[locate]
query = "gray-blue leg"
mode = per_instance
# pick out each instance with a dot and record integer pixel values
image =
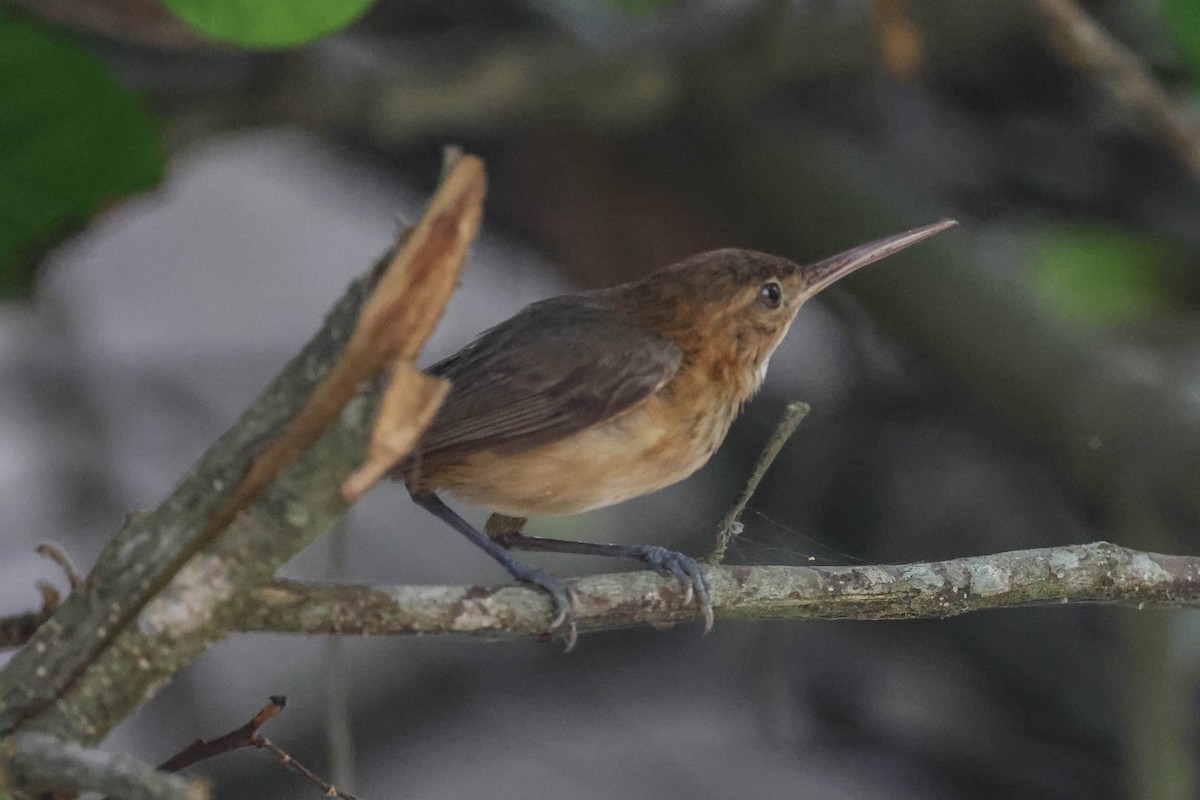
(689, 572)
(551, 584)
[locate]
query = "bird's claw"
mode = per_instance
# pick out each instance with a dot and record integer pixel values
(563, 598)
(688, 571)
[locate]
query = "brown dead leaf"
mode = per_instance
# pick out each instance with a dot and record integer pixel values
(408, 300)
(405, 411)
(403, 310)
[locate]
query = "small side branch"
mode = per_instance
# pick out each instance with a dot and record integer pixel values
(1094, 573)
(248, 735)
(731, 525)
(245, 736)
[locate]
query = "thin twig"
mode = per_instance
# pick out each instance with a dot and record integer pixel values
(248, 736)
(731, 526)
(327, 789)
(339, 737)
(1087, 45)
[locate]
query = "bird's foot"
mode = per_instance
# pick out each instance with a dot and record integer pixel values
(560, 593)
(561, 596)
(687, 569)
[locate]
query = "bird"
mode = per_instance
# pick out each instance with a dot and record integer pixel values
(589, 399)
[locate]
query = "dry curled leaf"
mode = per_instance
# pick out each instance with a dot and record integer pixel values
(402, 311)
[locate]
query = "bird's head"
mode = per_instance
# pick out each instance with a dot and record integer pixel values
(740, 303)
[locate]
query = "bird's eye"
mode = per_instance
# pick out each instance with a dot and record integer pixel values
(770, 294)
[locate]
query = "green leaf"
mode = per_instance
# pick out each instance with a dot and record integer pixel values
(268, 23)
(1097, 275)
(71, 141)
(1182, 18)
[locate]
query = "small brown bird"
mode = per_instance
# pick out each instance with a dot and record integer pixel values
(589, 399)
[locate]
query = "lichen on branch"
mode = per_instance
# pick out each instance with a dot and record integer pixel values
(1095, 573)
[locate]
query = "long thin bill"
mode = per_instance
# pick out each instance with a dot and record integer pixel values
(819, 275)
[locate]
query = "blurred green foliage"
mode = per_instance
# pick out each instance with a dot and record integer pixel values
(71, 141)
(1101, 275)
(268, 23)
(1182, 18)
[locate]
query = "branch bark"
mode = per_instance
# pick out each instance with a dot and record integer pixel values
(1094, 573)
(35, 763)
(173, 582)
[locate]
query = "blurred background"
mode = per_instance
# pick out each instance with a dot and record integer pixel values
(178, 209)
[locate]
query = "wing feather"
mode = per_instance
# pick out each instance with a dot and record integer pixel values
(557, 367)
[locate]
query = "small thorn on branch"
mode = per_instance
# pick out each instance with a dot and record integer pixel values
(17, 629)
(59, 556)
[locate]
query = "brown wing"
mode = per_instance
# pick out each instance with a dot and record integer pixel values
(555, 368)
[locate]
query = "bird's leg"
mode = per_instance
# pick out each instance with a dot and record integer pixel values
(506, 531)
(563, 601)
(499, 526)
